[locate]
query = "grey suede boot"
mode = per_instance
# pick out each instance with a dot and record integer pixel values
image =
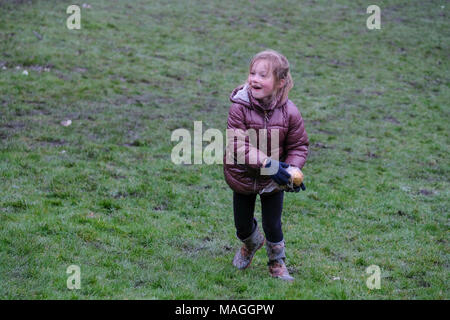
(277, 267)
(245, 254)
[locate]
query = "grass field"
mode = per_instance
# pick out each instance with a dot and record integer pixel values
(104, 194)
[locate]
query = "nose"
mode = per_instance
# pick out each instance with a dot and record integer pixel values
(254, 79)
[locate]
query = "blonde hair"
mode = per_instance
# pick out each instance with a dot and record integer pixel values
(279, 66)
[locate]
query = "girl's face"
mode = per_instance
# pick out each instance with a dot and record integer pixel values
(261, 80)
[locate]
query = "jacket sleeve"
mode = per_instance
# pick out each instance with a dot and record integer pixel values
(241, 142)
(297, 142)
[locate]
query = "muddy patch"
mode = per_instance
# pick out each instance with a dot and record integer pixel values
(121, 194)
(391, 120)
(79, 70)
(51, 142)
(39, 68)
(15, 125)
(372, 155)
(320, 145)
(10, 128)
(426, 192)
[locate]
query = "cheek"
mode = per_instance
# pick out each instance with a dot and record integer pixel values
(269, 85)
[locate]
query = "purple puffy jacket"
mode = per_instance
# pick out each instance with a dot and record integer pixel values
(247, 113)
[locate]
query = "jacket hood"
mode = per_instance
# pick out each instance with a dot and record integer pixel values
(243, 95)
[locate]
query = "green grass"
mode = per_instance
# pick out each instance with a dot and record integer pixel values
(103, 193)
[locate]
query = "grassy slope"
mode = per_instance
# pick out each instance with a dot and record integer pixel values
(103, 193)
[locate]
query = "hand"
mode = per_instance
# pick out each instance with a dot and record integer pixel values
(297, 188)
(281, 177)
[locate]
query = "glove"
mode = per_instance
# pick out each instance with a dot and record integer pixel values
(281, 177)
(297, 188)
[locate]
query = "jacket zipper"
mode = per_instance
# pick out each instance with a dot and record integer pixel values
(265, 119)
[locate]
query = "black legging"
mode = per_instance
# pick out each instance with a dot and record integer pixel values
(271, 205)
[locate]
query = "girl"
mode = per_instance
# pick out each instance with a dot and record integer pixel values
(262, 104)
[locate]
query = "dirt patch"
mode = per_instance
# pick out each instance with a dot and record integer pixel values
(319, 145)
(338, 257)
(120, 195)
(372, 155)
(161, 207)
(79, 70)
(38, 68)
(11, 128)
(138, 143)
(401, 213)
(62, 76)
(39, 109)
(14, 125)
(348, 149)
(118, 176)
(405, 214)
(426, 192)
(391, 120)
(53, 142)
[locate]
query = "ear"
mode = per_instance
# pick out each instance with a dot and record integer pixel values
(281, 83)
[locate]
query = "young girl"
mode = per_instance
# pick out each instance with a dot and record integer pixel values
(262, 104)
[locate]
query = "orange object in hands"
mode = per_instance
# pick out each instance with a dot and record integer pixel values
(295, 182)
(296, 175)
